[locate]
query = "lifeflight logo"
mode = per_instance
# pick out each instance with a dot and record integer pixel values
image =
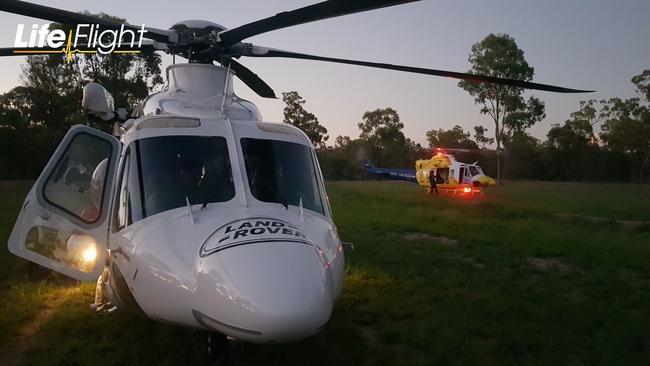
(87, 38)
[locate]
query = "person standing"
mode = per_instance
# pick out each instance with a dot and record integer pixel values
(433, 182)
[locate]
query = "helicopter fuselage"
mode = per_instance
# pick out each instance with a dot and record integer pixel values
(250, 269)
(203, 215)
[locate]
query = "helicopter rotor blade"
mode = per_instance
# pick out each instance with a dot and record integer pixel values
(319, 11)
(453, 149)
(71, 18)
(269, 52)
(251, 80)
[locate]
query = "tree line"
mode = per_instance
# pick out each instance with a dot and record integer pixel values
(572, 151)
(35, 115)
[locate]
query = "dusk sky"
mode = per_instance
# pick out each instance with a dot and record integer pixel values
(587, 44)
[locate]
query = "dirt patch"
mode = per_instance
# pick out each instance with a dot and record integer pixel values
(471, 261)
(466, 260)
(440, 240)
(548, 264)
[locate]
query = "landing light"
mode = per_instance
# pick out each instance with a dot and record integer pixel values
(89, 254)
(467, 189)
(82, 247)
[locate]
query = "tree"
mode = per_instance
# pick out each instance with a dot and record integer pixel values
(480, 138)
(342, 141)
(577, 133)
(344, 160)
(295, 114)
(52, 88)
(35, 115)
(454, 138)
(499, 56)
(415, 151)
(522, 115)
(642, 84)
(570, 150)
(573, 135)
(523, 159)
(382, 131)
(626, 127)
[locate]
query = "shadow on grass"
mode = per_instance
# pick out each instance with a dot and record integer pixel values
(74, 334)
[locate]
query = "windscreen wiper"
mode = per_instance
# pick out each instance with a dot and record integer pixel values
(278, 196)
(208, 196)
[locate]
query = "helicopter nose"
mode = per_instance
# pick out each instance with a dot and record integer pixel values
(486, 181)
(264, 292)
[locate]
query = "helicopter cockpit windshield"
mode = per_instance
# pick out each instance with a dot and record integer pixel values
(282, 172)
(475, 170)
(162, 173)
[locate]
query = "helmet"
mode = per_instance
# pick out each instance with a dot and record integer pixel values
(97, 183)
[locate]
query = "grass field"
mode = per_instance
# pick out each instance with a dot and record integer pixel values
(534, 273)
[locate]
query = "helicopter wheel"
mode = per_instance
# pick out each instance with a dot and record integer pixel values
(217, 349)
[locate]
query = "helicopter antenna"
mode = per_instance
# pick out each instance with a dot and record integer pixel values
(225, 90)
(189, 211)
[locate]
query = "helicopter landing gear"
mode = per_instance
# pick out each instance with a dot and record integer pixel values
(217, 349)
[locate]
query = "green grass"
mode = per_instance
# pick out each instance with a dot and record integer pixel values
(501, 280)
(614, 201)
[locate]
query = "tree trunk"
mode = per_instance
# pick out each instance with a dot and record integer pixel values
(499, 168)
(497, 137)
(645, 162)
(504, 166)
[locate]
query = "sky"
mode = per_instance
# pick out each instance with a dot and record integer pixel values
(584, 44)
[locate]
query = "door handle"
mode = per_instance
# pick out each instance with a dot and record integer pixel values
(119, 250)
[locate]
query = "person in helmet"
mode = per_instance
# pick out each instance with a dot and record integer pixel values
(91, 211)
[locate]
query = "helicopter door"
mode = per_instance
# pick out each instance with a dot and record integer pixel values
(62, 224)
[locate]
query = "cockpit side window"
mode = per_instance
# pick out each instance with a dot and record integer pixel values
(122, 209)
(162, 173)
(282, 172)
(321, 185)
(76, 185)
(129, 198)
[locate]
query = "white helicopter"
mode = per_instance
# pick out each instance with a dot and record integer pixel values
(195, 211)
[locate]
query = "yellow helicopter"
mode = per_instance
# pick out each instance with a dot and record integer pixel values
(442, 174)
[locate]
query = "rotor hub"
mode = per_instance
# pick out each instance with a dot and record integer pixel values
(197, 28)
